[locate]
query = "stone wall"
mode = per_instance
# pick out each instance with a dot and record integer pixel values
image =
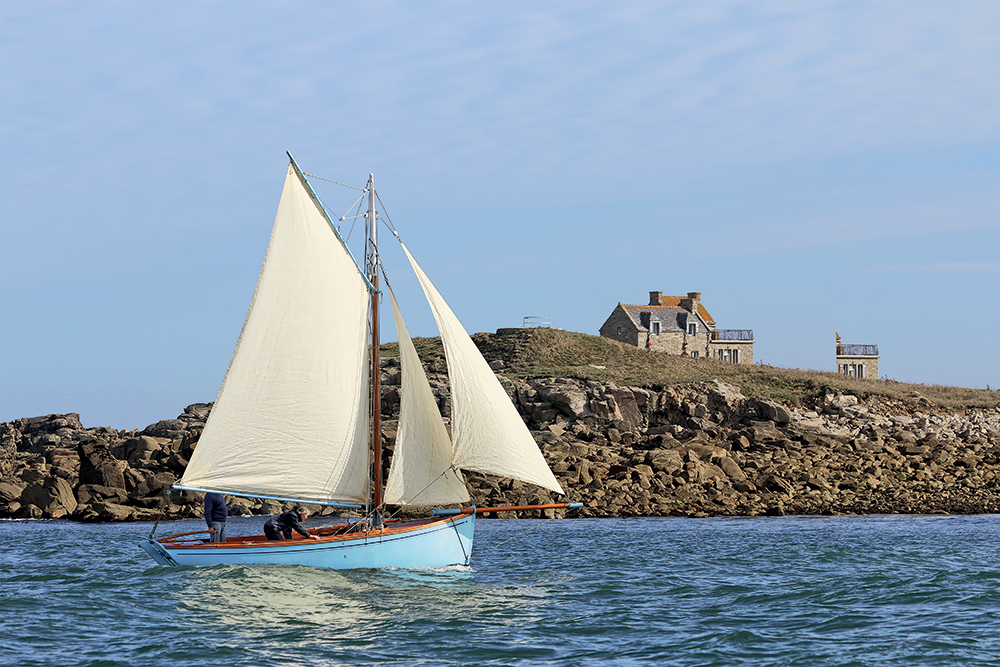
(670, 342)
(870, 364)
(630, 333)
(743, 347)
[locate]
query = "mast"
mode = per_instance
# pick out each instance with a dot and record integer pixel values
(372, 264)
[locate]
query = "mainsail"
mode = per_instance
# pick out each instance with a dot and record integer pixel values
(488, 433)
(291, 418)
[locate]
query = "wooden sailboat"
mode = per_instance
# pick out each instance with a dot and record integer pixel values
(298, 417)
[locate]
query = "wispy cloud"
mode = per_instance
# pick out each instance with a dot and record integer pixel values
(542, 99)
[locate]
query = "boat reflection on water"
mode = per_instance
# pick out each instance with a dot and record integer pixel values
(264, 600)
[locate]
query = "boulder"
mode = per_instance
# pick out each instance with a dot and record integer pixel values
(49, 496)
(775, 484)
(732, 469)
(665, 460)
(628, 408)
(700, 471)
(146, 484)
(87, 493)
(837, 404)
(177, 463)
(63, 457)
(567, 397)
(726, 395)
(692, 450)
(36, 472)
(772, 411)
(99, 466)
(10, 491)
(112, 511)
(29, 512)
(605, 409)
(197, 411)
(9, 437)
(137, 450)
(171, 429)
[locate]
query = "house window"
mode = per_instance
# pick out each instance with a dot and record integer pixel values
(726, 355)
(619, 331)
(736, 356)
(861, 371)
(692, 329)
(654, 328)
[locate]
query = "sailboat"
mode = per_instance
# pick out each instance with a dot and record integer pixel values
(297, 418)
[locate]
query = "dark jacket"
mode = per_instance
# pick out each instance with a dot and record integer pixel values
(215, 508)
(286, 522)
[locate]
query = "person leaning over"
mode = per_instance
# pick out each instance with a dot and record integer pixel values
(215, 516)
(280, 527)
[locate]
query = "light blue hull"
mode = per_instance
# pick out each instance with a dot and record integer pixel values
(408, 544)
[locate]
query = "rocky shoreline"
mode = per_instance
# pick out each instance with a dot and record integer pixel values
(660, 450)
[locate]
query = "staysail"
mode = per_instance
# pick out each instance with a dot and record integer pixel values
(422, 472)
(291, 418)
(488, 433)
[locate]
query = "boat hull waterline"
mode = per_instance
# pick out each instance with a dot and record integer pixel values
(419, 543)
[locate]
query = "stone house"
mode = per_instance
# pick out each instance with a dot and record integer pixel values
(678, 325)
(859, 361)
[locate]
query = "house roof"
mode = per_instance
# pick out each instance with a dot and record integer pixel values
(672, 302)
(671, 318)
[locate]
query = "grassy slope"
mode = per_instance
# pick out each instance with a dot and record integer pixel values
(556, 353)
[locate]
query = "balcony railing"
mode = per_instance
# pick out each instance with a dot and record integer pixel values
(732, 334)
(857, 350)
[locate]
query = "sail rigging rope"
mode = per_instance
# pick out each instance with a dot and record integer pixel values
(163, 503)
(386, 219)
(389, 224)
(354, 218)
(465, 554)
(334, 182)
(417, 495)
(354, 221)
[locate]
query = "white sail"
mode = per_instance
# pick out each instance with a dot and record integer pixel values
(488, 433)
(291, 418)
(422, 472)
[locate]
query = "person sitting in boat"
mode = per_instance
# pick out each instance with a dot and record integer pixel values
(280, 527)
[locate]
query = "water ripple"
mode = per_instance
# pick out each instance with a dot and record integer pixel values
(782, 591)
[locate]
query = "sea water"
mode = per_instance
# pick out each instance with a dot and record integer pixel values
(889, 590)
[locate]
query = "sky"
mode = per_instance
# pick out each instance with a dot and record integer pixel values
(811, 168)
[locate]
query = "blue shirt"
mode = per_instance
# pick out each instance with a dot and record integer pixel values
(215, 508)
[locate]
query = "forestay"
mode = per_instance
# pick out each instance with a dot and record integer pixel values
(422, 471)
(291, 418)
(488, 433)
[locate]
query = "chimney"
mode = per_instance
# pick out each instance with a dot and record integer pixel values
(692, 302)
(655, 298)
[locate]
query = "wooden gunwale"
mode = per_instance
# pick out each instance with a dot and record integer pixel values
(261, 541)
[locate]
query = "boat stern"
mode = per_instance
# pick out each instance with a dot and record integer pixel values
(157, 552)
